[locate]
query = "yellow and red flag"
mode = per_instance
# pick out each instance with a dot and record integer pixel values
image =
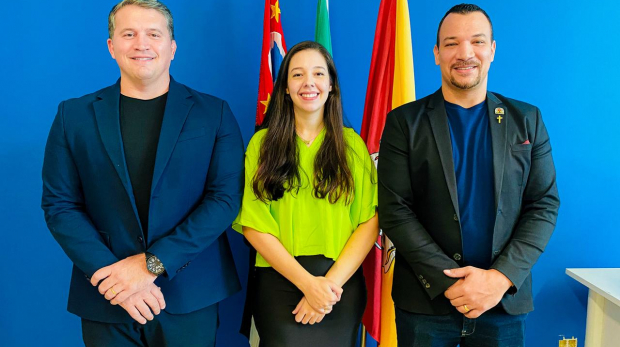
(390, 84)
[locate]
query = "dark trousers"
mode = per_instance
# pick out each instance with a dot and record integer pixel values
(194, 329)
(494, 328)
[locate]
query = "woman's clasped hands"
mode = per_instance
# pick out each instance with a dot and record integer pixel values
(320, 295)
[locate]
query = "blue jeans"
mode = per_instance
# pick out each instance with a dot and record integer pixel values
(494, 328)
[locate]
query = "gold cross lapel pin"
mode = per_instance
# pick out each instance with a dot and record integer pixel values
(499, 112)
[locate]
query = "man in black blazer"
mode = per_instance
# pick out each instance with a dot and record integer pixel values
(468, 196)
(140, 181)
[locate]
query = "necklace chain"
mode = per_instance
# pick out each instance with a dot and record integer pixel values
(308, 142)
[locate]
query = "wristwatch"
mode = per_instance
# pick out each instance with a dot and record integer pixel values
(154, 265)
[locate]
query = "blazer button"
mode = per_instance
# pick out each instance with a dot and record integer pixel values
(456, 218)
(456, 256)
(427, 285)
(140, 238)
(421, 277)
(495, 252)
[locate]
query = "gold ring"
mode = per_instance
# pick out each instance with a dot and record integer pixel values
(113, 292)
(466, 308)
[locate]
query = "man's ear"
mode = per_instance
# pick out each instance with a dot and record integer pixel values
(111, 48)
(174, 49)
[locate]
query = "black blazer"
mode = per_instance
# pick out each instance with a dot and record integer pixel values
(418, 205)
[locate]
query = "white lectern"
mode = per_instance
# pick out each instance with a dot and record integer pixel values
(603, 320)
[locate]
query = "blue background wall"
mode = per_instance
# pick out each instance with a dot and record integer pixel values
(559, 55)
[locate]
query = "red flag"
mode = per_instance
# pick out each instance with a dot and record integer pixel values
(381, 77)
(274, 49)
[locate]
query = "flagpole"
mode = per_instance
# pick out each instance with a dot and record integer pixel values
(363, 339)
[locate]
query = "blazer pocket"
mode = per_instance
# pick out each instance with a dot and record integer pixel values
(521, 147)
(191, 134)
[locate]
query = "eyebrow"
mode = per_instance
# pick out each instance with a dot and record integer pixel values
(315, 67)
(132, 29)
(454, 37)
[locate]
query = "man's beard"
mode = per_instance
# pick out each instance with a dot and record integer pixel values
(466, 85)
(470, 85)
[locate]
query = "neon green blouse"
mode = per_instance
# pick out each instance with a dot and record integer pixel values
(304, 224)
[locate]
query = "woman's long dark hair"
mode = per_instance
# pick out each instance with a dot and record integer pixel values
(278, 163)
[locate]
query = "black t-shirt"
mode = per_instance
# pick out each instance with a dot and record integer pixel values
(140, 127)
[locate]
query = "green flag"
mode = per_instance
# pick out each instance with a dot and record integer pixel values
(322, 34)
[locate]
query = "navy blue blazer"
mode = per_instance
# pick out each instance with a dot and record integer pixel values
(418, 204)
(196, 193)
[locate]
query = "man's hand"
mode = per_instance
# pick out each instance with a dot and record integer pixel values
(305, 314)
(123, 278)
(143, 305)
(321, 293)
(477, 290)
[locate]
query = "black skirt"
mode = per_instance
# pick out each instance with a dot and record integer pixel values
(276, 298)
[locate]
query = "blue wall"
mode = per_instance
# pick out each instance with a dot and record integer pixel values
(559, 57)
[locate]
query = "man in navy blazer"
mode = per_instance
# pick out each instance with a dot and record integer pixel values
(140, 181)
(468, 196)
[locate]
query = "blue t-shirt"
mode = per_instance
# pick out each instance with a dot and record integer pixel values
(473, 165)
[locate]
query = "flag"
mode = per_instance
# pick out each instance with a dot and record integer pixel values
(272, 53)
(390, 84)
(322, 33)
(274, 49)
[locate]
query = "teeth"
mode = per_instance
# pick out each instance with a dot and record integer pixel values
(309, 95)
(465, 68)
(142, 58)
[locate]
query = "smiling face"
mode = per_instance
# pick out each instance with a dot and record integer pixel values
(308, 82)
(465, 51)
(142, 45)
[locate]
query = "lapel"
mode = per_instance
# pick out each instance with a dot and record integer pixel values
(441, 131)
(498, 140)
(439, 124)
(177, 109)
(108, 122)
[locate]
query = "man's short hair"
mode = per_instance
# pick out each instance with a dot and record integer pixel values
(148, 4)
(464, 9)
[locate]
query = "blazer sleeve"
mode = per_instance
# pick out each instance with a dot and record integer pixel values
(63, 205)
(218, 208)
(396, 217)
(539, 212)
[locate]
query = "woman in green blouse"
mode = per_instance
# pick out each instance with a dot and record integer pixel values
(309, 209)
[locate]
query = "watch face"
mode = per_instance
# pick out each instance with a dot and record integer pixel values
(154, 265)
